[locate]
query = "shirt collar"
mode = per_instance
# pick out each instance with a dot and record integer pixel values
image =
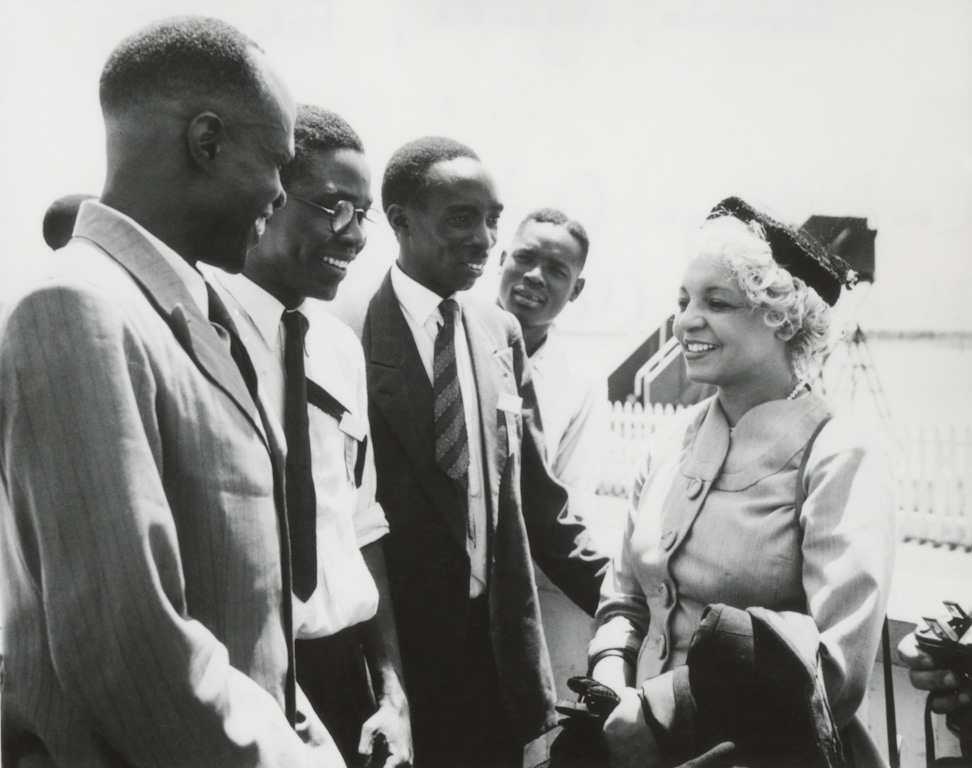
(189, 275)
(264, 309)
(418, 301)
(541, 351)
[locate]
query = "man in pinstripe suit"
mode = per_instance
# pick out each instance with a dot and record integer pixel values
(145, 586)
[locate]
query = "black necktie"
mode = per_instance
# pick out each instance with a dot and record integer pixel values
(451, 440)
(301, 499)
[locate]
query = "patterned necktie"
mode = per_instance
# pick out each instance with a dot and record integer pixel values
(451, 440)
(301, 499)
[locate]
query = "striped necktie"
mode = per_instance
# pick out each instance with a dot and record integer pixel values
(451, 440)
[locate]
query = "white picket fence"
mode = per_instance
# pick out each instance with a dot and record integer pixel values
(934, 468)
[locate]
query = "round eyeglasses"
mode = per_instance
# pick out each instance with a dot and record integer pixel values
(341, 215)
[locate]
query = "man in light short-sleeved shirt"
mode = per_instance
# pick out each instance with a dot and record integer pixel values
(541, 274)
(345, 628)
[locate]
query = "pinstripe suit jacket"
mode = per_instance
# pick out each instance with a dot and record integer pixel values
(142, 567)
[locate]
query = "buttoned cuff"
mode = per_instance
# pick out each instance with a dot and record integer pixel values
(618, 636)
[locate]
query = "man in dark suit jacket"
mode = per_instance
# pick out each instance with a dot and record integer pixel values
(467, 501)
(144, 583)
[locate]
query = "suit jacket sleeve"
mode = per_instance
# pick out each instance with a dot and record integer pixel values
(83, 456)
(623, 613)
(848, 554)
(558, 541)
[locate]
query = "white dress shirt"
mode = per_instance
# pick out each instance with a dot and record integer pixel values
(421, 309)
(573, 413)
(348, 517)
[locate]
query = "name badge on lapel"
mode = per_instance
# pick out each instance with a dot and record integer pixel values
(352, 426)
(511, 406)
(510, 403)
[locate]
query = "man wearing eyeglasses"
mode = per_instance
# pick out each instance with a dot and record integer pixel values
(342, 611)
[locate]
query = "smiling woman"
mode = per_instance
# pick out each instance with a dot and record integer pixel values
(744, 323)
(748, 598)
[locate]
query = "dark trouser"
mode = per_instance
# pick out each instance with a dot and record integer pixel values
(468, 728)
(332, 673)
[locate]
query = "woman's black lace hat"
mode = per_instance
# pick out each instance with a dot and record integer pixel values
(798, 252)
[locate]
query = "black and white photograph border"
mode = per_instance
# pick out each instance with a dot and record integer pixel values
(635, 117)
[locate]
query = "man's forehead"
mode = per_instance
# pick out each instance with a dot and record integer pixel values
(336, 171)
(274, 81)
(456, 202)
(276, 104)
(455, 168)
(462, 181)
(548, 239)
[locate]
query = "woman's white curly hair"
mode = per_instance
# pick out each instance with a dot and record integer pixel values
(785, 302)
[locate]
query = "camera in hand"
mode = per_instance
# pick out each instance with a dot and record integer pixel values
(948, 639)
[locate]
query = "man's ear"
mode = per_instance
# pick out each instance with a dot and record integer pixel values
(206, 137)
(786, 332)
(398, 219)
(578, 287)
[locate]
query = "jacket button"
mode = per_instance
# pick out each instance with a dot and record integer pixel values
(695, 488)
(668, 540)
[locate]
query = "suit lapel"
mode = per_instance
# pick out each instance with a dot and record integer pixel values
(400, 390)
(166, 291)
(484, 351)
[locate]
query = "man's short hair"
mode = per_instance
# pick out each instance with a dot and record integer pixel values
(561, 219)
(406, 176)
(317, 130)
(179, 57)
(59, 220)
